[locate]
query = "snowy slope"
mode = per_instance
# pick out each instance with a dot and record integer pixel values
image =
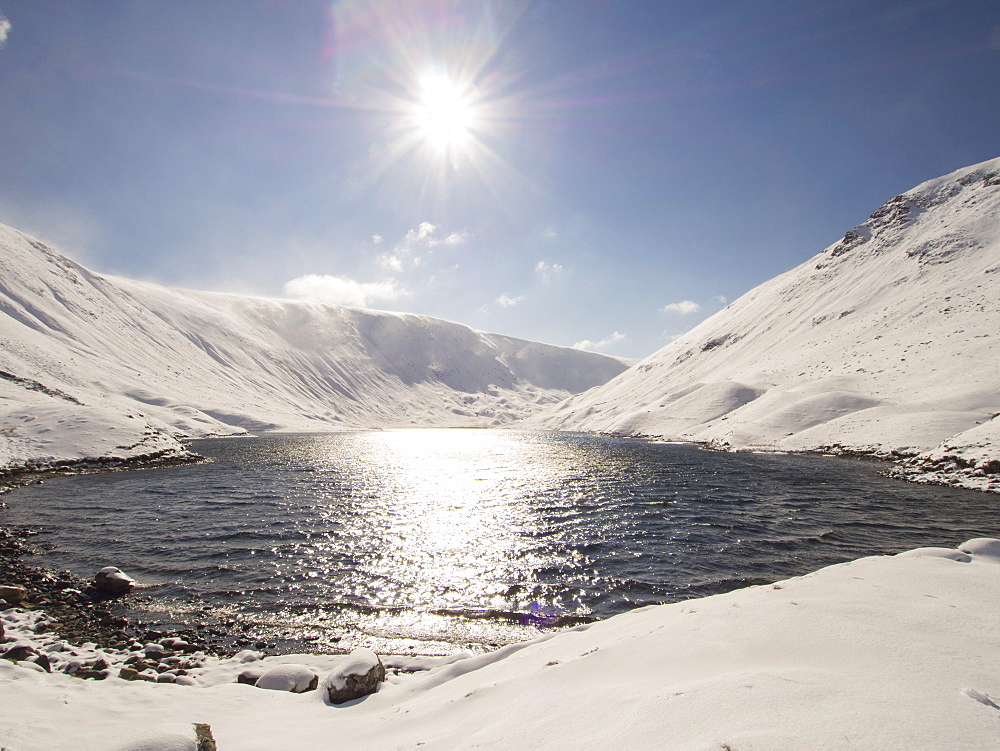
(93, 365)
(888, 341)
(885, 652)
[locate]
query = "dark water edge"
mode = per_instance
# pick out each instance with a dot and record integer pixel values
(717, 560)
(80, 615)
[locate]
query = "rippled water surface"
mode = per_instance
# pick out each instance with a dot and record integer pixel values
(435, 540)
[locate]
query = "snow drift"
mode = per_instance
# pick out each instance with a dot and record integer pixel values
(887, 342)
(884, 652)
(94, 366)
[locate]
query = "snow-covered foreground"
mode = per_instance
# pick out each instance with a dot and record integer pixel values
(882, 652)
(93, 366)
(887, 342)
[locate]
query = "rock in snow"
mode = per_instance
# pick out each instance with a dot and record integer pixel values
(18, 652)
(359, 675)
(250, 676)
(886, 342)
(886, 652)
(295, 678)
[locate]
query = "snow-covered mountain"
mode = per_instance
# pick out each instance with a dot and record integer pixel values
(98, 366)
(887, 342)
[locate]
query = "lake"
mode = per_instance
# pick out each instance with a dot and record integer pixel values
(436, 541)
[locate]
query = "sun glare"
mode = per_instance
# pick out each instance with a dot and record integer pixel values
(444, 113)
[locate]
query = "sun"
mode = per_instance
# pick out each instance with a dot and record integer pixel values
(444, 113)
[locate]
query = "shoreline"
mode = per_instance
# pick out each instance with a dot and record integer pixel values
(18, 476)
(73, 607)
(901, 465)
(783, 664)
(905, 466)
(77, 612)
(81, 615)
(780, 666)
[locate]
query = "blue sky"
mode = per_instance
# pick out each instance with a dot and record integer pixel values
(599, 173)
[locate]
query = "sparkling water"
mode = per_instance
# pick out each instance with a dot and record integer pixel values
(434, 541)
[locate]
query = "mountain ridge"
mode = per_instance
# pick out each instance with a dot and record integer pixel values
(102, 366)
(884, 343)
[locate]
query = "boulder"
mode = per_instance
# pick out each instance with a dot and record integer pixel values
(251, 675)
(19, 652)
(295, 678)
(97, 675)
(113, 582)
(359, 675)
(12, 594)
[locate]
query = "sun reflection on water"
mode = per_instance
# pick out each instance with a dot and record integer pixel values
(452, 514)
(437, 541)
(433, 534)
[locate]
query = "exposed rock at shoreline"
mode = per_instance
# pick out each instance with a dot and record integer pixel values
(11, 595)
(113, 582)
(17, 475)
(72, 606)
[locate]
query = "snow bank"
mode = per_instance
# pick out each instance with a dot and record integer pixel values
(886, 342)
(41, 432)
(882, 652)
(969, 459)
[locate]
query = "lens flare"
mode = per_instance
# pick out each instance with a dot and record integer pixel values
(444, 113)
(438, 96)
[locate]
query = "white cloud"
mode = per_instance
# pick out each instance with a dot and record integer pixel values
(423, 231)
(721, 299)
(506, 301)
(684, 307)
(548, 270)
(376, 239)
(586, 344)
(4, 29)
(340, 290)
(424, 238)
(390, 262)
(456, 238)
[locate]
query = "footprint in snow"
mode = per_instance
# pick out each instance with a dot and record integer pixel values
(981, 698)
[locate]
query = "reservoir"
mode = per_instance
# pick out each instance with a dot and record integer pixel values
(437, 541)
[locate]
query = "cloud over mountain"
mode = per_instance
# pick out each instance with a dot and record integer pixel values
(339, 290)
(100, 366)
